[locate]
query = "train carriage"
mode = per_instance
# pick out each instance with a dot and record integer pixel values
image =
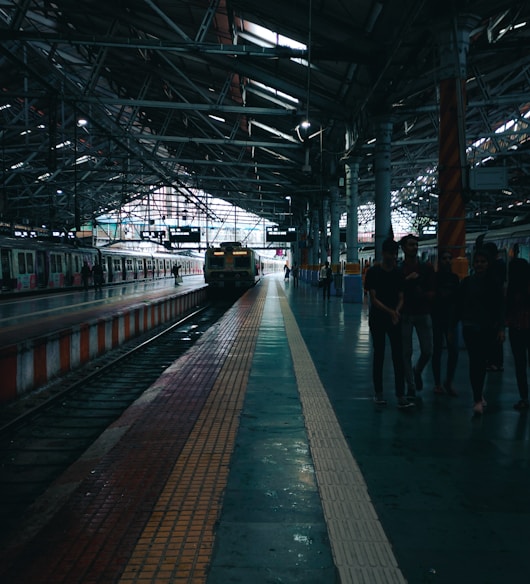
(29, 265)
(231, 265)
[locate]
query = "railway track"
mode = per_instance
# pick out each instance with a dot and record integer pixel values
(37, 446)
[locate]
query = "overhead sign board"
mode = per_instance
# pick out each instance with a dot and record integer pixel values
(185, 235)
(153, 234)
(488, 179)
(277, 234)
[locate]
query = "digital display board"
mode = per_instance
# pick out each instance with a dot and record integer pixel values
(185, 235)
(153, 234)
(281, 234)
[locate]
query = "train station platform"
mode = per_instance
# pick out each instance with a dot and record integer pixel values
(260, 457)
(44, 336)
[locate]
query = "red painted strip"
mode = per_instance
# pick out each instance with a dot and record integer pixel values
(8, 366)
(84, 343)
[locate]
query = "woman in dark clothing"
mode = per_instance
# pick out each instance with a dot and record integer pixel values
(445, 288)
(480, 307)
(518, 321)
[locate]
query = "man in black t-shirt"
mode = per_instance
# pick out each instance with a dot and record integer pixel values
(384, 283)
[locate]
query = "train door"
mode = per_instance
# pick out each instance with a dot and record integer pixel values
(42, 269)
(109, 278)
(68, 271)
(7, 283)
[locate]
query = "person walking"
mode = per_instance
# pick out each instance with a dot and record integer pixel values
(445, 288)
(518, 321)
(497, 270)
(480, 307)
(295, 273)
(416, 313)
(326, 275)
(384, 284)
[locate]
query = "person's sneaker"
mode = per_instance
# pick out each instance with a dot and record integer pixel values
(411, 396)
(418, 381)
(478, 409)
(439, 390)
(449, 388)
(522, 405)
(379, 400)
(404, 403)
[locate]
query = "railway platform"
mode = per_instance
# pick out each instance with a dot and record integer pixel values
(44, 336)
(260, 457)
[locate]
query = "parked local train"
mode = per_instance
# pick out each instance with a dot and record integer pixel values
(231, 265)
(32, 264)
(511, 242)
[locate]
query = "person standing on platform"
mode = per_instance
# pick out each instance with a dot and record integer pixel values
(416, 312)
(480, 308)
(86, 273)
(326, 275)
(445, 288)
(518, 321)
(97, 272)
(497, 269)
(286, 272)
(175, 271)
(296, 273)
(384, 283)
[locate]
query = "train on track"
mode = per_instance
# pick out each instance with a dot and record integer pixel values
(511, 242)
(30, 265)
(234, 266)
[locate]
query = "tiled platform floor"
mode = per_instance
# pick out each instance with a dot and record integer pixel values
(259, 457)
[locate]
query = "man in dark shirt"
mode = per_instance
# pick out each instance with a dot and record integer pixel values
(384, 284)
(416, 313)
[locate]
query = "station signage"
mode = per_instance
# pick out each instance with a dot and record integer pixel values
(185, 235)
(277, 234)
(153, 234)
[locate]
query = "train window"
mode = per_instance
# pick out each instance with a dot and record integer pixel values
(21, 262)
(56, 264)
(242, 261)
(217, 261)
(29, 263)
(117, 264)
(128, 265)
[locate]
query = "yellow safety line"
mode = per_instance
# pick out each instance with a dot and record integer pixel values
(177, 542)
(361, 550)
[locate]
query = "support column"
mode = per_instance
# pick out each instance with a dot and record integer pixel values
(452, 160)
(324, 230)
(383, 169)
(352, 281)
(315, 230)
(352, 202)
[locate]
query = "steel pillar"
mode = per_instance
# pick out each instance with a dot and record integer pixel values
(351, 169)
(383, 169)
(452, 161)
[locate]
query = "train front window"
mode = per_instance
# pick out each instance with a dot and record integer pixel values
(217, 261)
(242, 262)
(29, 263)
